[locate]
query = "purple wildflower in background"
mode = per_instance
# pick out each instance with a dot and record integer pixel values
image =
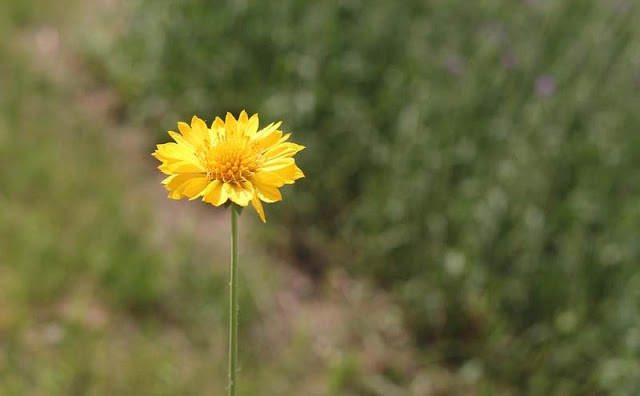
(545, 86)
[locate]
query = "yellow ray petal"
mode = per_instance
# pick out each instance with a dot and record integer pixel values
(252, 126)
(168, 179)
(217, 123)
(267, 137)
(268, 129)
(165, 169)
(185, 130)
(189, 134)
(199, 130)
(298, 174)
(269, 178)
(215, 194)
(243, 120)
(289, 174)
(267, 191)
(195, 187)
(177, 182)
(271, 165)
(279, 177)
(284, 138)
(181, 140)
(174, 151)
(217, 130)
(175, 195)
(257, 205)
(230, 125)
(240, 193)
(284, 150)
(186, 167)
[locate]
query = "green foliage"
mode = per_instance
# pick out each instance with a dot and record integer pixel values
(478, 159)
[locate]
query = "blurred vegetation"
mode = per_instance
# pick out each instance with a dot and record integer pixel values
(480, 160)
(96, 297)
(477, 160)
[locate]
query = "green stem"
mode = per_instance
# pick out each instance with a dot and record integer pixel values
(233, 304)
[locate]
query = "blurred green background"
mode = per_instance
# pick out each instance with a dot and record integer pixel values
(469, 224)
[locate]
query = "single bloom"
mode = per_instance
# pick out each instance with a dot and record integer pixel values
(231, 161)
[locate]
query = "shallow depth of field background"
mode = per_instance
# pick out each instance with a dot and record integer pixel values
(469, 224)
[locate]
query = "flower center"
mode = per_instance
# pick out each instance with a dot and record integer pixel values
(231, 161)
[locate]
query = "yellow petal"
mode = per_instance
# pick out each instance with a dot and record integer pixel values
(252, 126)
(269, 178)
(269, 194)
(175, 181)
(230, 125)
(178, 158)
(271, 165)
(187, 167)
(279, 177)
(168, 179)
(267, 137)
(181, 140)
(284, 138)
(257, 205)
(174, 152)
(175, 195)
(189, 135)
(268, 129)
(185, 185)
(165, 169)
(215, 194)
(284, 150)
(289, 174)
(217, 129)
(240, 193)
(298, 174)
(217, 123)
(243, 120)
(267, 190)
(195, 187)
(185, 130)
(199, 130)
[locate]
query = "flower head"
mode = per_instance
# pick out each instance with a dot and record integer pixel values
(231, 161)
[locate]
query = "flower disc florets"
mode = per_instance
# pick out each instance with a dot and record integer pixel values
(232, 161)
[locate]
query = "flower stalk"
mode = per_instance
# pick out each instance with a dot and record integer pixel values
(233, 304)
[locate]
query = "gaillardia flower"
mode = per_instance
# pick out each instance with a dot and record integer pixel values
(231, 161)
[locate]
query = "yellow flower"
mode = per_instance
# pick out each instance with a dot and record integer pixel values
(232, 160)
